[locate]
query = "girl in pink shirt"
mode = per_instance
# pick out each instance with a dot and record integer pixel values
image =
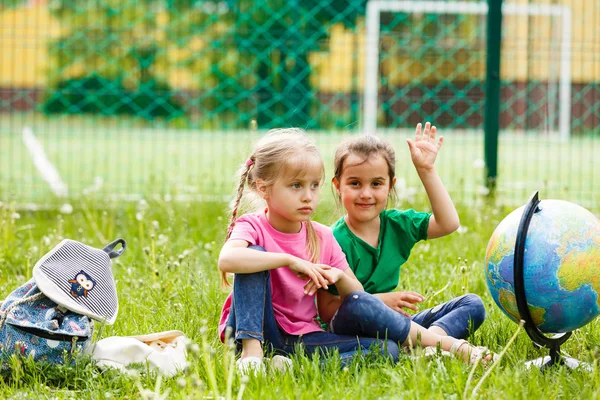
(273, 291)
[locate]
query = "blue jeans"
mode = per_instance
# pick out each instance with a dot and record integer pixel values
(251, 317)
(458, 317)
(367, 315)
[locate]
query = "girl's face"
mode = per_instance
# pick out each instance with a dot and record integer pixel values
(364, 187)
(294, 195)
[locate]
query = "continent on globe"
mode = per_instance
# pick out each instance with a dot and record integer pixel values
(561, 266)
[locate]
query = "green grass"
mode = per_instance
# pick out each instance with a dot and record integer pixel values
(112, 157)
(168, 279)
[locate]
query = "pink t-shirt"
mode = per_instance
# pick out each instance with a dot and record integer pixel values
(294, 311)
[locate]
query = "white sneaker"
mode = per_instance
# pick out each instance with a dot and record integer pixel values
(281, 364)
(250, 366)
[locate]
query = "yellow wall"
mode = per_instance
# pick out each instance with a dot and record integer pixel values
(522, 59)
(25, 32)
(24, 36)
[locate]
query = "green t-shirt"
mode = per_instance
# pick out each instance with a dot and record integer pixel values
(378, 269)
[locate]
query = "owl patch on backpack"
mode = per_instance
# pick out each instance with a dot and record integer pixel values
(82, 284)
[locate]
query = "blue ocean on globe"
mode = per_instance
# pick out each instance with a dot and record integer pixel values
(561, 266)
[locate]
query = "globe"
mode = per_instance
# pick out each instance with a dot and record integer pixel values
(561, 266)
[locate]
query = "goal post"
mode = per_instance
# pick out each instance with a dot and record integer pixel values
(373, 18)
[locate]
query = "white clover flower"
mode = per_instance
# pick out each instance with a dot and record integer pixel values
(478, 163)
(132, 373)
(462, 229)
(15, 215)
(162, 239)
(142, 205)
(139, 216)
(66, 208)
(156, 225)
(198, 383)
(482, 190)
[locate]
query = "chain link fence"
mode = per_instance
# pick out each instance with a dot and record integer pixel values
(153, 96)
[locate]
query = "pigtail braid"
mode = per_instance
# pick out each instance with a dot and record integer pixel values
(235, 205)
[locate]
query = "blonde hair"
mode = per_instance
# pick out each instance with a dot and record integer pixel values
(274, 155)
(365, 146)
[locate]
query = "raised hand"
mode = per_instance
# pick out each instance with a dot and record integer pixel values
(398, 301)
(424, 149)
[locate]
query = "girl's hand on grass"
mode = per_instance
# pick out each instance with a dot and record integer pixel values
(424, 149)
(398, 301)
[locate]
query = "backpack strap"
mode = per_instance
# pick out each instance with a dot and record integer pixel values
(4, 313)
(115, 253)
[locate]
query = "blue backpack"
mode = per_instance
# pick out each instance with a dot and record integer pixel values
(51, 317)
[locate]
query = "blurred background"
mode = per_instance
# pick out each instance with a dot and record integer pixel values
(126, 100)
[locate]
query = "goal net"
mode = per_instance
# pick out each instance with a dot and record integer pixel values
(426, 60)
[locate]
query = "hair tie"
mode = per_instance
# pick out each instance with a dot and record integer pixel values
(249, 162)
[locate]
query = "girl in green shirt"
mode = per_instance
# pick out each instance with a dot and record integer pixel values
(378, 241)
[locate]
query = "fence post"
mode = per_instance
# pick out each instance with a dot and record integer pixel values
(492, 92)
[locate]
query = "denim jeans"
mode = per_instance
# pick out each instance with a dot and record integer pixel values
(457, 317)
(252, 317)
(367, 315)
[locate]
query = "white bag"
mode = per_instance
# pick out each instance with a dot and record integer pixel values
(163, 351)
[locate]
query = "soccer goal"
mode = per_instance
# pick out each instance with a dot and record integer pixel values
(552, 102)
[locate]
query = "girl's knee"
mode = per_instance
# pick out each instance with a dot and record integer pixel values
(260, 275)
(358, 303)
(255, 247)
(364, 299)
(252, 277)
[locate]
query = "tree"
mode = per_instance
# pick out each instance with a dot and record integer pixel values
(276, 37)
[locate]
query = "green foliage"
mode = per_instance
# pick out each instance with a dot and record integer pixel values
(270, 40)
(11, 3)
(98, 95)
(276, 37)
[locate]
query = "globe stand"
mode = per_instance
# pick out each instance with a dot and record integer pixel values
(538, 338)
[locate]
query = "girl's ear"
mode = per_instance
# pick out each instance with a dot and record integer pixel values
(336, 184)
(393, 183)
(262, 189)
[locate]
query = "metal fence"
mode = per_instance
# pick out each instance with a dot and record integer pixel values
(151, 96)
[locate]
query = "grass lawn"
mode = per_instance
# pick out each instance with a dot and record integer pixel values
(167, 279)
(117, 158)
